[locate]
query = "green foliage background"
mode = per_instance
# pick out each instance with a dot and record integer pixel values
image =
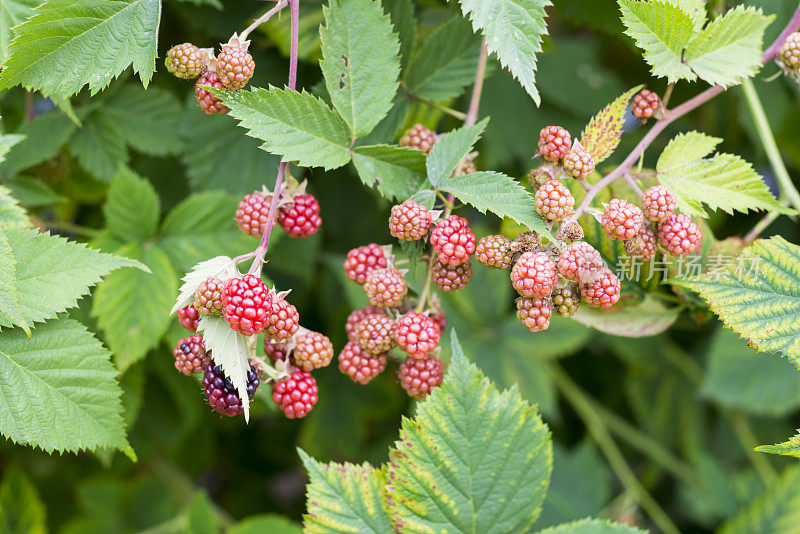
(699, 396)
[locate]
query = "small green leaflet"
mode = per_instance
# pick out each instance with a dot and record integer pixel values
(397, 172)
(592, 526)
(132, 209)
(297, 126)
(758, 297)
(21, 509)
(791, 447)
(11, 213)
(65, 373)
(451, 468)
(604, 131)
(448, 151)
(344, 498)
(513, 30)
(52, 51)
(723, 181)
(776, 511)
(360, 62)
(231, 350)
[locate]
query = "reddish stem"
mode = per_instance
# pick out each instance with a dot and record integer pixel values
(263, 18)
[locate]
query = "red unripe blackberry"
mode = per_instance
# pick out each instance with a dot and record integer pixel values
(189, 318)
(275, 350)
(494, 251)
(565, 301)
(418, 137)
(553, 201)
(789, 52)
(554, 143)
(645, 104)
(312, 351)
(679, 235)
(534, 313)
(295, 395)
(534, 275)
(208, 297)
(621, 219)
(283, 321)
(185, 61)
(361, 261)
(453, 241)
(417, 334)
(449, 277)
(190, 355)
(220, 392)
(578, 163)
(603, 291)
(658, 203)
(246, 304)
(360, 365)
(235, 66)
(648, 238)
(440, 319)
(253, 213)
(301, 217)
(210, 103)
(419, 376)
(355, 317)
(375, 333)
(409, 221)
(385, 287)
(578, 261)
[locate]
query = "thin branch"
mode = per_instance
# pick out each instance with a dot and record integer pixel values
(762, 225)
(263, 18)
(477, 90)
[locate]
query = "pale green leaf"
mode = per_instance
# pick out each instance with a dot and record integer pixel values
(344, 498)
(445, 63)
(360, 62)
(132, 209)
(604, 131)
(132, 306)
(11, 213)
(647, 318)
(776, 511)
(592, 526)
(724, 181)
(662, 30)
(397, 172)
(500, 194)
(21, 509)
(791, 447)
(261, 524)
(231, 350)
(44, 137)
(53, 273)
(696, 9)
(12, 13)
(100, 147)
(297, 126)
(219, 267)
(59, 390)
(758, 296)
(730, 47)
(741, 378)
(55, 51)
(473, 459)
(450, 149)
(513, 30)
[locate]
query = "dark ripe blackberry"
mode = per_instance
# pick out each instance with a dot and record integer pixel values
(220, 392)
(190, 355)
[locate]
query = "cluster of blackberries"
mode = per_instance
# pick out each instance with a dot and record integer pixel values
(231, 69)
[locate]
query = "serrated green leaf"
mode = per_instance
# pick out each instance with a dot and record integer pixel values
(21, 509)
(132, 209)
(344, 498)
(514, 31)
(473, 459)
(294, 125)
(53, 273)
(592, 526)
(758, 297)
(402, 15)
(662, 30)
(59, 390)
(53, 51)
(360, 62)
(604, 131)
(132, 306)
(445, 63)
(500, 194)
(724, 181)
(231, 350)
(743, 379)
(450, 149)
(12, 13)
(729, 48)
(218, 267)
(647, 318)
(776, 511)
(44, 137)
(397, 172)
(100, 147)
(11, 213)
(695, 9)
(10, 310)
(791, 447)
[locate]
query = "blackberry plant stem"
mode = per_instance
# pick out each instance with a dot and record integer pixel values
(263, 18)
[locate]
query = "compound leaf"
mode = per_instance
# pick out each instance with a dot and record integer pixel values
(344, 498)
(397, 172)
(776, 511)
(56, 50)
(513, 30)
(360, 62)
(791, 447)
(132, 209)
(604, 131)
(59, 390)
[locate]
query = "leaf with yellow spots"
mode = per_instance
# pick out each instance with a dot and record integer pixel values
(604, 131)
